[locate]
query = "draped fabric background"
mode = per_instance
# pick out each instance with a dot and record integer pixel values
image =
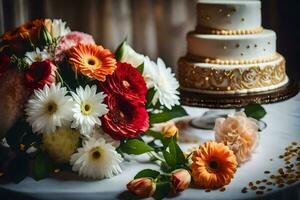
(153, 27)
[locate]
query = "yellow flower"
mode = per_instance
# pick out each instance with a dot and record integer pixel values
(61, 144)
(214, 165)
(92, 61)
(169, 130)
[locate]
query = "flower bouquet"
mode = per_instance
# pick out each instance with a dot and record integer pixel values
(69, 101)
(70, 104)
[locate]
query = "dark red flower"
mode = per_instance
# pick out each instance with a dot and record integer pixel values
(39, 74)
(4, 63)
(126, 81)
(125, 119)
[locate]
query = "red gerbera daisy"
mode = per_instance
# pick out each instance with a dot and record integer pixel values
(126, 81)
(124, 119)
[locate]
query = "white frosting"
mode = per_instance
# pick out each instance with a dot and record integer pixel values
(232, 47)
(229, 15)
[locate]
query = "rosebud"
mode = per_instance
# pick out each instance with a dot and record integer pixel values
(142, 187)
(45, 36)
(169, 130)
(180, 179)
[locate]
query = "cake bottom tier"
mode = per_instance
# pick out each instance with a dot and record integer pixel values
(230, 79)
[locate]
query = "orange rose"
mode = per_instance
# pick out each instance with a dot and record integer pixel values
(19, 40)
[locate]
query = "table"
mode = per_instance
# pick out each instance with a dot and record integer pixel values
(283, 120)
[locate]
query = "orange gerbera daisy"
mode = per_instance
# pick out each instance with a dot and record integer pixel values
(214, 165)
(92, 61)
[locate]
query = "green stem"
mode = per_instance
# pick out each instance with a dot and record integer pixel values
(62, 81)
(156, 156)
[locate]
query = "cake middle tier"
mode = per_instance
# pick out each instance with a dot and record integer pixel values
(232, 47)
(229, 79)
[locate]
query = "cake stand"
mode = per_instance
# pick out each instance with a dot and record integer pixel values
(226, 101)
(233, 103)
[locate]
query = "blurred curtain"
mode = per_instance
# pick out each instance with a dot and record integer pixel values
(153, 27)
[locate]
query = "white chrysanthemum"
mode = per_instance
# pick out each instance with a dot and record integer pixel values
(96, 159)
(160, 77)
(49, 108)
(59, 28)
(88, 108)
(37, 56)
(98, 132)
(131, 57)
(149, 72)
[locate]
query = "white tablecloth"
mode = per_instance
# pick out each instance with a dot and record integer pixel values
(283, 120)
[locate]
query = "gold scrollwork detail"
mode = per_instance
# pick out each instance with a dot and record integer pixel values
(214, 79)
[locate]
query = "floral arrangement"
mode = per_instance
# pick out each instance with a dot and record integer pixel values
(71, 104)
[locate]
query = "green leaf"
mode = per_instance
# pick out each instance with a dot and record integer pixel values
(167, 115)
(170, 159)
(154, 134)
(147, 173)
(179, 155)
(135, 146)
(166, 141)
(255, 111)
(42, 166)
(150, 95)
(165, 167)
(162, 190)
(176, 152)
(120, 50)
(140, 68)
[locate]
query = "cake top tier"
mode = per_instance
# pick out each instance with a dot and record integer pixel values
(228, 15)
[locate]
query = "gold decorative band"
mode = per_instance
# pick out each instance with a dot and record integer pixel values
(206, 30)
(232, 62)
(213, 79)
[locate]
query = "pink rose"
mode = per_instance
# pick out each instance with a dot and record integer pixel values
(70, 40)
(180, 179)
(239, 133)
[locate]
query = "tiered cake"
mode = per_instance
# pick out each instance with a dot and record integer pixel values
(229, 52)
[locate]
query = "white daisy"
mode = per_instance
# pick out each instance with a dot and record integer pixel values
(49, 108)
(96, 159)
(160, 77)
(59, 28)
(37, 56)
(88, 108)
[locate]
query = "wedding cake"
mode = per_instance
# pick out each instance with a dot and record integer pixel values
(229, 52)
